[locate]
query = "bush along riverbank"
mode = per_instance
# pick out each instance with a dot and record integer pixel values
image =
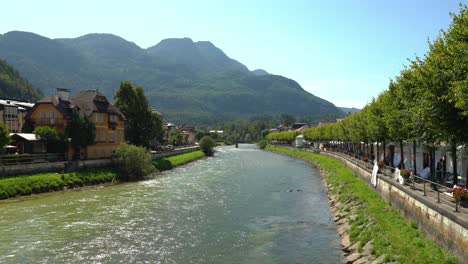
(371, 230)
(177, 160)
(48, 182)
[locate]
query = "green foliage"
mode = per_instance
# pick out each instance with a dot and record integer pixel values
(46, 133)
(55, 141)
(390, 232)
(143, 126)
(193, 83)
(262, 144)
(13, 86)
(175, 138)
(207, 145)
(82, 131)
(46, 182)
(177, 160)
(133, 162)
(4, 137)
(287, 136)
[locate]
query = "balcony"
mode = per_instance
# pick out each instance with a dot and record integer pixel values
(48, 121)
(112, 124)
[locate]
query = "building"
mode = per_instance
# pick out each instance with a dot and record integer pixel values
(188, 133)
(12, 114)
(56, 111)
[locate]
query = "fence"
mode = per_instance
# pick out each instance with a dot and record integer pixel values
(10, 160)
(435, 191)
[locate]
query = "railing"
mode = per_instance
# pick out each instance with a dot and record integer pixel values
(419, 186)
(49, 121)
(11, 160)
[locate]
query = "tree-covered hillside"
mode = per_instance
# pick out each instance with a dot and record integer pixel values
(189, 82)
(13, 86)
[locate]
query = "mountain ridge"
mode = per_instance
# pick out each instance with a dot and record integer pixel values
(187, 81)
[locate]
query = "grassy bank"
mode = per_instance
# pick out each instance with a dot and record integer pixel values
(47, 182)
(392, 235)
(177, 160)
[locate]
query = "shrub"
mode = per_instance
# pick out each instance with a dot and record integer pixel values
(207, 145)
(262, 144)
(460, 193)
(405, 173)
(133, 162)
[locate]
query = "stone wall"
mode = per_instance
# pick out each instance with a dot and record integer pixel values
(159, 155)
(438, 221)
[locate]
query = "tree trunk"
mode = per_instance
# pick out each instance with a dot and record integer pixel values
(454, 161)
(402, 163)
(433, 172)
(378, 152)
(384, 152)
(414, 157)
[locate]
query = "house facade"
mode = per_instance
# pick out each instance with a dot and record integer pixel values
(56, 111)
(12, 114)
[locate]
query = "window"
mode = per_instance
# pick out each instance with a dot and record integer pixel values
(96, 139)
(98, 117)
(52, 117)
(112, 136)
(103, 136)
(42, 114)
(113, 118)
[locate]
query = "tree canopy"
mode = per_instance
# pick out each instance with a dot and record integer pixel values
(143, 125)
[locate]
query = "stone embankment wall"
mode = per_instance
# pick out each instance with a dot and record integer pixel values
(442, 224)
(159, 155)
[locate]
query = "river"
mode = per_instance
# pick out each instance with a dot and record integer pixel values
(241, 206)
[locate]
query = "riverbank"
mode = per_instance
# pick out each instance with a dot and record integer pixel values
(177, 160)
(367, 224)
(24, 185)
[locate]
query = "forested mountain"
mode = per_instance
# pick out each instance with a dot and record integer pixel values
(13, 86)
(189, 82)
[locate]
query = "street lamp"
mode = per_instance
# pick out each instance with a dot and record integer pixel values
(69, 148)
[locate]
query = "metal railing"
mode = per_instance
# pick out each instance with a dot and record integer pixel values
(418, 186)
(49, 121)
(12, 160)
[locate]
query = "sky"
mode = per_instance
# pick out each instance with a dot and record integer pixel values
(344, 51)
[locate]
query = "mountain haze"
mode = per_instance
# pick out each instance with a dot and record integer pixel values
(189, 82)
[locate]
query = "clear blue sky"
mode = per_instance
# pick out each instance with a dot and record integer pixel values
(341, 50)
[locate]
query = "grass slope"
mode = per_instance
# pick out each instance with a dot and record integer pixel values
(177, 160)
(391, 233)
(46, 182)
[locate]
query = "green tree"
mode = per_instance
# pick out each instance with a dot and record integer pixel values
(82, 131)
(54, 140)
(133, 162)
(143, 126)
(207, 145)
(4, 137)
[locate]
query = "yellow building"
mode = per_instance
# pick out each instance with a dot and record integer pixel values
(55, 111)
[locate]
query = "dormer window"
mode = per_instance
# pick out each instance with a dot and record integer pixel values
(98, 117)
(113, 118)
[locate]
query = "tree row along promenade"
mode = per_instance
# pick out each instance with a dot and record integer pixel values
(426, 104)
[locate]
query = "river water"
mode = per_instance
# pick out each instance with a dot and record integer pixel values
(241, 206)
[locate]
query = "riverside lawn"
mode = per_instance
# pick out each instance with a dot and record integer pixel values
(47, 182)
(391, 234)
(177, 160)
(24, 185)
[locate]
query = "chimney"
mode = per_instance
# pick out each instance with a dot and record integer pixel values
(63, 94)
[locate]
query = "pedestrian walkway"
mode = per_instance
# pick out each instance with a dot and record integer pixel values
(421, 189)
